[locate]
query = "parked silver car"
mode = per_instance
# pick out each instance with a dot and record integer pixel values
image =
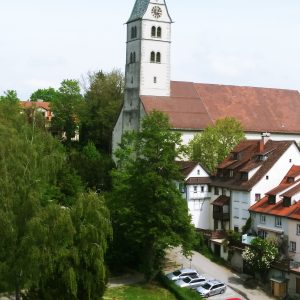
(182, 273)
(211, 287)
(192, 281)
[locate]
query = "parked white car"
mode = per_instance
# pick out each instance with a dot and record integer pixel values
(182, 273)
(211, 287)
(192, 281)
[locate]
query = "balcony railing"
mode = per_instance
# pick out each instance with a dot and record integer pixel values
(221, 216)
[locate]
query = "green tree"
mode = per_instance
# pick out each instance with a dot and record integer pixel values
(10, 96)
(103, 102)
(47, 95)
(93, 167)
(260, 255)
(214, 144)
(53, 241)
(30, 159)
(74, 269)
(65, 109)
(149, 214)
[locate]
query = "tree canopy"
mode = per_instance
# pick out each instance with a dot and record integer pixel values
(46, 95)
(149, 214)
(214, 144)
(260, 255)
(53, 236)
(103, 101)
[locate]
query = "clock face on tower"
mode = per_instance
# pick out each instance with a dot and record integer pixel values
(156, 12)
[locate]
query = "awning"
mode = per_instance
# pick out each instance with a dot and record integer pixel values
(221, 201)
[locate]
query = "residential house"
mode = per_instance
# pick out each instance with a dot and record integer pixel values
(40, 106)
(196, 190)
(253, 168)
(277, 216)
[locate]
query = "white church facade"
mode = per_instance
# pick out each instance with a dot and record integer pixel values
(191, 107)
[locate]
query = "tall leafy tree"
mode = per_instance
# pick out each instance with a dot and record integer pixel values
(53, 240)
(103, 99)
(47, 95)
(65, 109)
(149, 214)
(10, 96)
(213, 145)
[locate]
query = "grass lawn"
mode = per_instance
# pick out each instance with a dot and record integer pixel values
(138, 291)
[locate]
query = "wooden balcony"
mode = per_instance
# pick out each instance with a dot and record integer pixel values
(221, 216)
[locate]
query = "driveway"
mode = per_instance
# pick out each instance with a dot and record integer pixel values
(237, 284)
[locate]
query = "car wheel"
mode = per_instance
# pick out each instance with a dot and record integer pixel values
(222, 292)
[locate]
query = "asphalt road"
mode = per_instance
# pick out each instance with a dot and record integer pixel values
(236, 283)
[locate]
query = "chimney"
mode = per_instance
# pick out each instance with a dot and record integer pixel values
(264, 138)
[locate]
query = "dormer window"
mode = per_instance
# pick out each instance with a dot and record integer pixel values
(290, 179)
(287, 201)
(236, 155)
(271, 199)
(244, 176)
(262, 157)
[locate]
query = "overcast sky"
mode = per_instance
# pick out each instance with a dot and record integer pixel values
(239, 42)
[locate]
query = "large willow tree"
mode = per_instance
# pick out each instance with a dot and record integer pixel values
(48, 246)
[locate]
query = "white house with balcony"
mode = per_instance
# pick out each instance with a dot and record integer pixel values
(196, 190)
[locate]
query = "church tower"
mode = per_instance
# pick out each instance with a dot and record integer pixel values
(147, 58)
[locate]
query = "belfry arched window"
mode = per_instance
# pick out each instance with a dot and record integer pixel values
(158, 57)
(153, 31)
(158, 32)
(152, 56)
(131, 58)
(133, 32)
(134, 57)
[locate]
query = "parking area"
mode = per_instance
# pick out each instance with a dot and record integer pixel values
(236, 287)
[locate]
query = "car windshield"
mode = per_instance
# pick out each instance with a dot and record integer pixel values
(206, 286)
(187, 280)
(177, 273)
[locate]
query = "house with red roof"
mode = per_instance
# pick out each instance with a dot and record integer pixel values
(40, 106)
(277, 215)
(195, 189)
(253, 168)
(191, 107)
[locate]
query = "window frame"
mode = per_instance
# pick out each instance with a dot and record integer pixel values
(262, 219)
(293, 246)
(278, 222)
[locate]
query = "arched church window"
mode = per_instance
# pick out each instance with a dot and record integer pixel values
(133, 32)
(159, 32)
(158, 57)
(131, 58)
(134, 57)
(153, 31)
(152, 56)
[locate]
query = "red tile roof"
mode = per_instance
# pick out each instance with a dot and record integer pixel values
(262, 206)
(39, 104)
(196, 105)
(248, 161)
(186, 167)
(293, 191)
